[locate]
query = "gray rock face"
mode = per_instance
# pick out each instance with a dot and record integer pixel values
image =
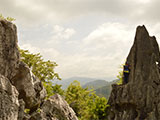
(30, 88)
(20, 89)
(55, 108)
(139, 99)
(9, 104)
(21, 112)
(9, 54)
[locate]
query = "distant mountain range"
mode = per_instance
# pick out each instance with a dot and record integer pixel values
(102, 87)
(104, 91)
(83, 80)
(96, 84)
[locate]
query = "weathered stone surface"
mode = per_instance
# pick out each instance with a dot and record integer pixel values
(55, 108)
(20, 89)
(30, 88)
(9, 104)
(21, 109)
(9, 54)
(139, 99)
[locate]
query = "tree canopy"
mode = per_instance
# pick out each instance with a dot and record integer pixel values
(44, 70)
(86, 104)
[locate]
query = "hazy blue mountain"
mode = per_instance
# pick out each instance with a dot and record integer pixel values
(96, 84)
(105, 90)
(102, 87)
(82, 80)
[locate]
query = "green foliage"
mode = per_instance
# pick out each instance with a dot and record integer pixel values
(8, 18)
(57, 89)
(44, 70)
(52, 89)
(38, 110)
(48, 86)
(77, 96)
(97, 108)
(27, 111)
(86, 104)
(120, 75)
(1, 16)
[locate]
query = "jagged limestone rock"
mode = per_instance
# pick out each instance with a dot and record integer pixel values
(139, 99)
(55, 108)
(21, 112)
(20, 89)
(9, 54)
(30, 88)
(9, 105)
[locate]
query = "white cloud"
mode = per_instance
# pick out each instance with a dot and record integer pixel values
(68, 33)
(47, 53)
(60, 34)
(100, 52)
(110, 37)
(57, 11)
(144, 1)
(57, 29)
(107, 32)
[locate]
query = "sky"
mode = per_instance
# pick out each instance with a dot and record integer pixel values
(86, 38)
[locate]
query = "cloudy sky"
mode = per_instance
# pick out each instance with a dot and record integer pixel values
(87, 38)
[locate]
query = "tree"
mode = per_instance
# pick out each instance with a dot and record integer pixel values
(77, 96)
(120, 75)
(96, 107)
(97, 110)
(86, 104)
(53, 89)
(44, 70)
